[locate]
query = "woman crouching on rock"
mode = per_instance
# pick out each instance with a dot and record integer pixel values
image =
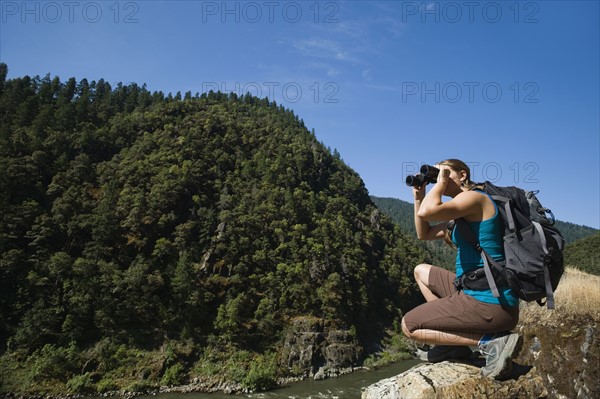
(459, 321)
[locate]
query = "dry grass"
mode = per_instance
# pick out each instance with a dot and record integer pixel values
(578, 294)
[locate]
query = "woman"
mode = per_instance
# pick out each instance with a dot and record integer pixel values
(456, 321)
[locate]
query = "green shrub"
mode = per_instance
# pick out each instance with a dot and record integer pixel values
(236, 366)
(174, 375)
(260, 379)
(53, 362)
(397, 348)
(82, 384)
(262, 375)
(399, 343)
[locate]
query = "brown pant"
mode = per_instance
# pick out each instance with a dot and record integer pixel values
(457, 312)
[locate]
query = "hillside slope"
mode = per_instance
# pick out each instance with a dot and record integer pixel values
(584, 254)
(149, 239)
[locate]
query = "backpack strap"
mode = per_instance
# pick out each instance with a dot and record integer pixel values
(469, 236)
(549, 292)
(510, 218)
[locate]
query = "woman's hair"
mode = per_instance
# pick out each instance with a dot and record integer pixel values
(458, 166)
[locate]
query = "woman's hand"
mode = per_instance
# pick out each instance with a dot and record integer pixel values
(443, 175)
(419, 192)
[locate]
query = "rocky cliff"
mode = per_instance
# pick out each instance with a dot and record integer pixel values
(314, 348)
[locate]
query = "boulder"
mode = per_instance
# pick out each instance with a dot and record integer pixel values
(450, 380)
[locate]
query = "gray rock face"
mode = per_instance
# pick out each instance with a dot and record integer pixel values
(565, 349)
(318, 350)
(451, 380)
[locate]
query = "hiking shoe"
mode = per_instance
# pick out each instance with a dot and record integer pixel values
(498, 353)
(440, 353)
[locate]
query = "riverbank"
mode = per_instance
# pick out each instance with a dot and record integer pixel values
(345, 386)
(311, 349)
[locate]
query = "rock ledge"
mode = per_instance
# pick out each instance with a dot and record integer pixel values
(454, 380)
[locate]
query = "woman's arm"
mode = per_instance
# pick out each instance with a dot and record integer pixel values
(463, 204)
(424, 230)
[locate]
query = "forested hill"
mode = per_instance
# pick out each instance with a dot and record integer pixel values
(200, 227)
(584, 254)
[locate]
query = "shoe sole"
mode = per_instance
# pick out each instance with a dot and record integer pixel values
(504, 365)
(456, 353)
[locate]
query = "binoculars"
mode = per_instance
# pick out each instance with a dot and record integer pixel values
(428, 174)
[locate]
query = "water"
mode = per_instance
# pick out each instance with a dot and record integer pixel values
(349, 386)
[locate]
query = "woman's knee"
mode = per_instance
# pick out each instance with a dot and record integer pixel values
(421, 273)
(405, 329)
(407, 326)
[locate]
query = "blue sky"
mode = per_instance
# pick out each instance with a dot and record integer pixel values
(512, 88)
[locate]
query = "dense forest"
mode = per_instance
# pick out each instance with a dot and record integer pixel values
(183, 230)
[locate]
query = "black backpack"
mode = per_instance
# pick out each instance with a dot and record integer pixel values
(533, 248)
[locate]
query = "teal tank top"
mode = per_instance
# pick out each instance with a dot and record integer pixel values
(490, 234)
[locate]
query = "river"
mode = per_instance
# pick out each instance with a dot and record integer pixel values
(348, 386)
